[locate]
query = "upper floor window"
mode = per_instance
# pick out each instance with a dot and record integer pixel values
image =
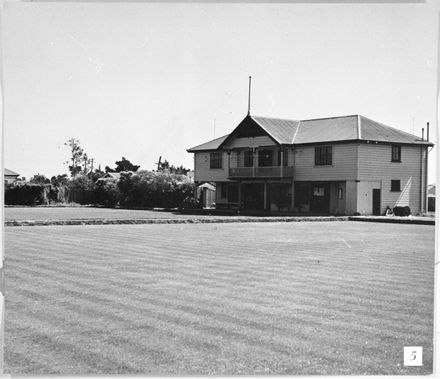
(395, 185)
(396, 151)
(216, 160)
(323, 155)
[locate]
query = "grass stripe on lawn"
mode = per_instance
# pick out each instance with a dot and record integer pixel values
(326, 298)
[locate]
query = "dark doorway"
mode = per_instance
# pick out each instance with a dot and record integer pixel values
(253, 196)
(376, 201)
(320, 199)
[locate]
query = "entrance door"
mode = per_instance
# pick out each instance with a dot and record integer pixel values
(376, 201)
(320, 199)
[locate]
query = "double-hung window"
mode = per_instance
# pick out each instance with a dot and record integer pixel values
(323, 155)
(396, 153)
(216, 160)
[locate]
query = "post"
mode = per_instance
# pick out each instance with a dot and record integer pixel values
(265, 196)
(229, 163)
(281, 163)
(292, 199)
(426, 180)
(255, 161)
(249, 96)
(195, 192)
(239, 194)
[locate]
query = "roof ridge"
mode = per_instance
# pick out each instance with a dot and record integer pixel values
(276, 118)
(329, 118)
(296, 131)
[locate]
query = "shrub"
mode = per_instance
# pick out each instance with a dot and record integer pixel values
(402, 211)
(26, 194)
(154, 189)
(106, 193)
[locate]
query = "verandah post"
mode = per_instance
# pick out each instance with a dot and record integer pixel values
(292, 199)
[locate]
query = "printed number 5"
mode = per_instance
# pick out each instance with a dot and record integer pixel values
(413, 356)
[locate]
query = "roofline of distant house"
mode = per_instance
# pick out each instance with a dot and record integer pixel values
(345, 141)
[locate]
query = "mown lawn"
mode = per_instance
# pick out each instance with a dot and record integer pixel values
(83, 213)
(295, 298)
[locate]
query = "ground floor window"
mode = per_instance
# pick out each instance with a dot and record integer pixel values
(395, 185)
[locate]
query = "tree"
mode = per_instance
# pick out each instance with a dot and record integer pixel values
(125, 165)
(59, 180)
(166, 167)
(77, 153)
(39, 179)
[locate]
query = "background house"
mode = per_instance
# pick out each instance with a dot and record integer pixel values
(338, 165)
(10, 176)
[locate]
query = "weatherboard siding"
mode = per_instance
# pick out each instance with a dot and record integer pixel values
(250, 142)
(203, 172)
(375, 166)
(344, 167)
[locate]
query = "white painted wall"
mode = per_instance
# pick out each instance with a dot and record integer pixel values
(344, 165)
(365, 196)
(203, 172)
(375, 165)
(351, 188)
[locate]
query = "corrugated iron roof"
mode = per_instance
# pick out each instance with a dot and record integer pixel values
(211, 145)
(376, 131)
(281, 130)
(327, 130)
(10, 172)
(343, 128)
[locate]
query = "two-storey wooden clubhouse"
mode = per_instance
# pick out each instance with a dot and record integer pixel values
(339, 165)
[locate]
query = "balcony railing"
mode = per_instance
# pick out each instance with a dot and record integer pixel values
(261, 172)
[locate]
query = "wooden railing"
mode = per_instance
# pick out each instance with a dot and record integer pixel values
(261, 172)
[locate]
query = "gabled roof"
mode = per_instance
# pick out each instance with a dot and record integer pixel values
(283, 131)
(332, 129)
(10, 172)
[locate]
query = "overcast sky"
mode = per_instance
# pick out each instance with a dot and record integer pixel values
(143, 80)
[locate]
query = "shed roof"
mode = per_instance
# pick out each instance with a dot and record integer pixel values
(10, 172)
(332, 129)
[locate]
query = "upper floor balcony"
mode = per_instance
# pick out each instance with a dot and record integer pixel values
(259, 163)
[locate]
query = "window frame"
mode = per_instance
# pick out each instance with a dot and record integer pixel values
(216, 160)
(396, 157)
(324, 155)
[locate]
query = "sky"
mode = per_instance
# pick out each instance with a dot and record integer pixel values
(143, 80)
